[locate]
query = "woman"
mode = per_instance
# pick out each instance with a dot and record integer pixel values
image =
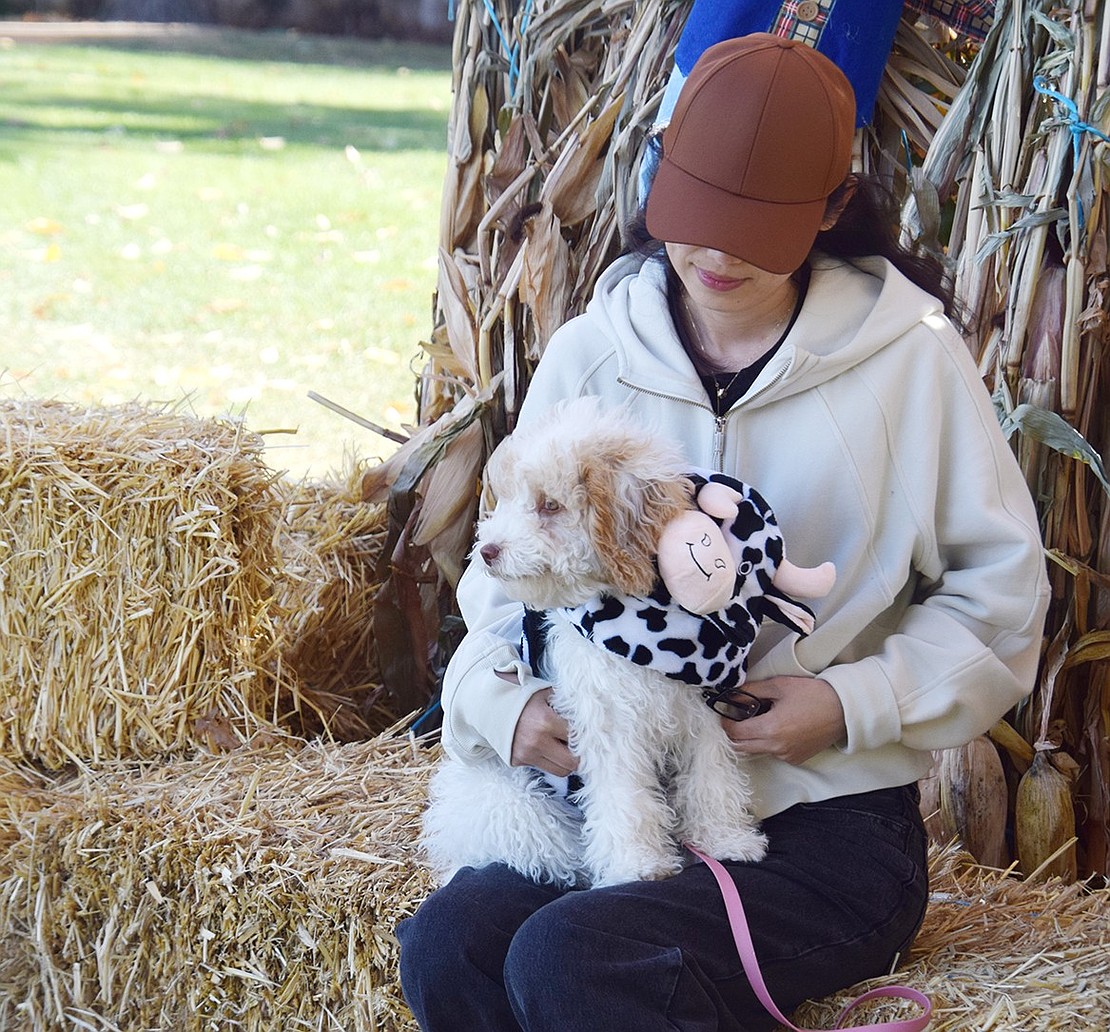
(772, 337)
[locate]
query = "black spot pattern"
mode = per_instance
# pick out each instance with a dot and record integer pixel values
(708, 651)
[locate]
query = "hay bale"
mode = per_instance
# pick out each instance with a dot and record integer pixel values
(256, 890)
(330, 543)
(997, 953)
(137, 566)
(260, 889)
(21, 790)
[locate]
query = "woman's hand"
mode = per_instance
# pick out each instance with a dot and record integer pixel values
(805, 718)
(541, 738)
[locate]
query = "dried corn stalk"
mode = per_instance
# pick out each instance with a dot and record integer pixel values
(1020, 162)
(552, 103)
(921, 84)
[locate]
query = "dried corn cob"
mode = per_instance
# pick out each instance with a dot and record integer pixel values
(973, 799)
(1045, 822)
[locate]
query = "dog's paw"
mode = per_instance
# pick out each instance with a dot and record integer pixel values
(654, 869)
(743, 844)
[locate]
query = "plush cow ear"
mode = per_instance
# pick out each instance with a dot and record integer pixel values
(774, 605)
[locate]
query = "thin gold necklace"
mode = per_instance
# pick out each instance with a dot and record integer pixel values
(723, 389)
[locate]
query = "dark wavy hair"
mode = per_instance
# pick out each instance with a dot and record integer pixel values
(867, 227)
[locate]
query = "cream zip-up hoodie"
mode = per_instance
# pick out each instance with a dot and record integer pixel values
(872, 436)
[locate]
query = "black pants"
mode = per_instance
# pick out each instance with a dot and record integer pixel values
(839, 896)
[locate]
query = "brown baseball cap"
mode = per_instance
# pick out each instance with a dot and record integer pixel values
(760, 136)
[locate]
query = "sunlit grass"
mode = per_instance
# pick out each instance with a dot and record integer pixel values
(234, 230)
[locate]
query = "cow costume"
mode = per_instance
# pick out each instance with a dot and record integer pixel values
(671, 630)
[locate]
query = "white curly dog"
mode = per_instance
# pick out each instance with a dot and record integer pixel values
(580, 499)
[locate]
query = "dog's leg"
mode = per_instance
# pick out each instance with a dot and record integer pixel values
(712, 792)
(628, 831)
(611, 707)
(483, 813)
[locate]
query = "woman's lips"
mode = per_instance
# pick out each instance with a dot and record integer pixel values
(715, 282)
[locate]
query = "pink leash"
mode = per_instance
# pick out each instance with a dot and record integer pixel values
(739, 922)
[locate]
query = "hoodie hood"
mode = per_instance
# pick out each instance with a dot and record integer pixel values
(851, 311)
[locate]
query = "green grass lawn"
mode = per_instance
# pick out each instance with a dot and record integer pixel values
(227, 222)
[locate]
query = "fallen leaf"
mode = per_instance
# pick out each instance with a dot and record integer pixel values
(223, 305)
(228, 253)
(42, 226)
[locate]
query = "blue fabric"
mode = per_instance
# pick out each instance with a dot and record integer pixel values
(855, 34)
(711, 21)
(839, 896)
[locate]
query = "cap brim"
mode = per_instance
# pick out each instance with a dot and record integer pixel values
(776, 237)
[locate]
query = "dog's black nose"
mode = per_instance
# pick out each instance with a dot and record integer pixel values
(489, 553)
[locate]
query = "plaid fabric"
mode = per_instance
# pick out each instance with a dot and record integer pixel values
(854, 34)
(971, 19)
(789, 22)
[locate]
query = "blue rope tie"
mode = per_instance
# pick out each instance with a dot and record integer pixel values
(907, 153)
(1074, 124)
(427, 715)
(511, 51)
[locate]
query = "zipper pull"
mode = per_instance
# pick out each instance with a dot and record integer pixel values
(719, 443)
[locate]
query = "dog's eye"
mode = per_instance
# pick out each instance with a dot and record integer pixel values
(548, 506)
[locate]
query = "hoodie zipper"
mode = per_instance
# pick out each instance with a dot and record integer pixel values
(720, 422)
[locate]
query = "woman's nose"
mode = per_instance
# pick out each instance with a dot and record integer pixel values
(724, 258)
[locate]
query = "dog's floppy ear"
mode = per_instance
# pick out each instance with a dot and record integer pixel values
(628, 510)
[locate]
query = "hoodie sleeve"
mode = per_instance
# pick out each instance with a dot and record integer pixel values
(965, 648)
(480, 708)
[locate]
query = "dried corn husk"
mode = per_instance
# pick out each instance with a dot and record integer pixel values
(938, 825)
(1029, 245)
(1045, 822)
(974, 800)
